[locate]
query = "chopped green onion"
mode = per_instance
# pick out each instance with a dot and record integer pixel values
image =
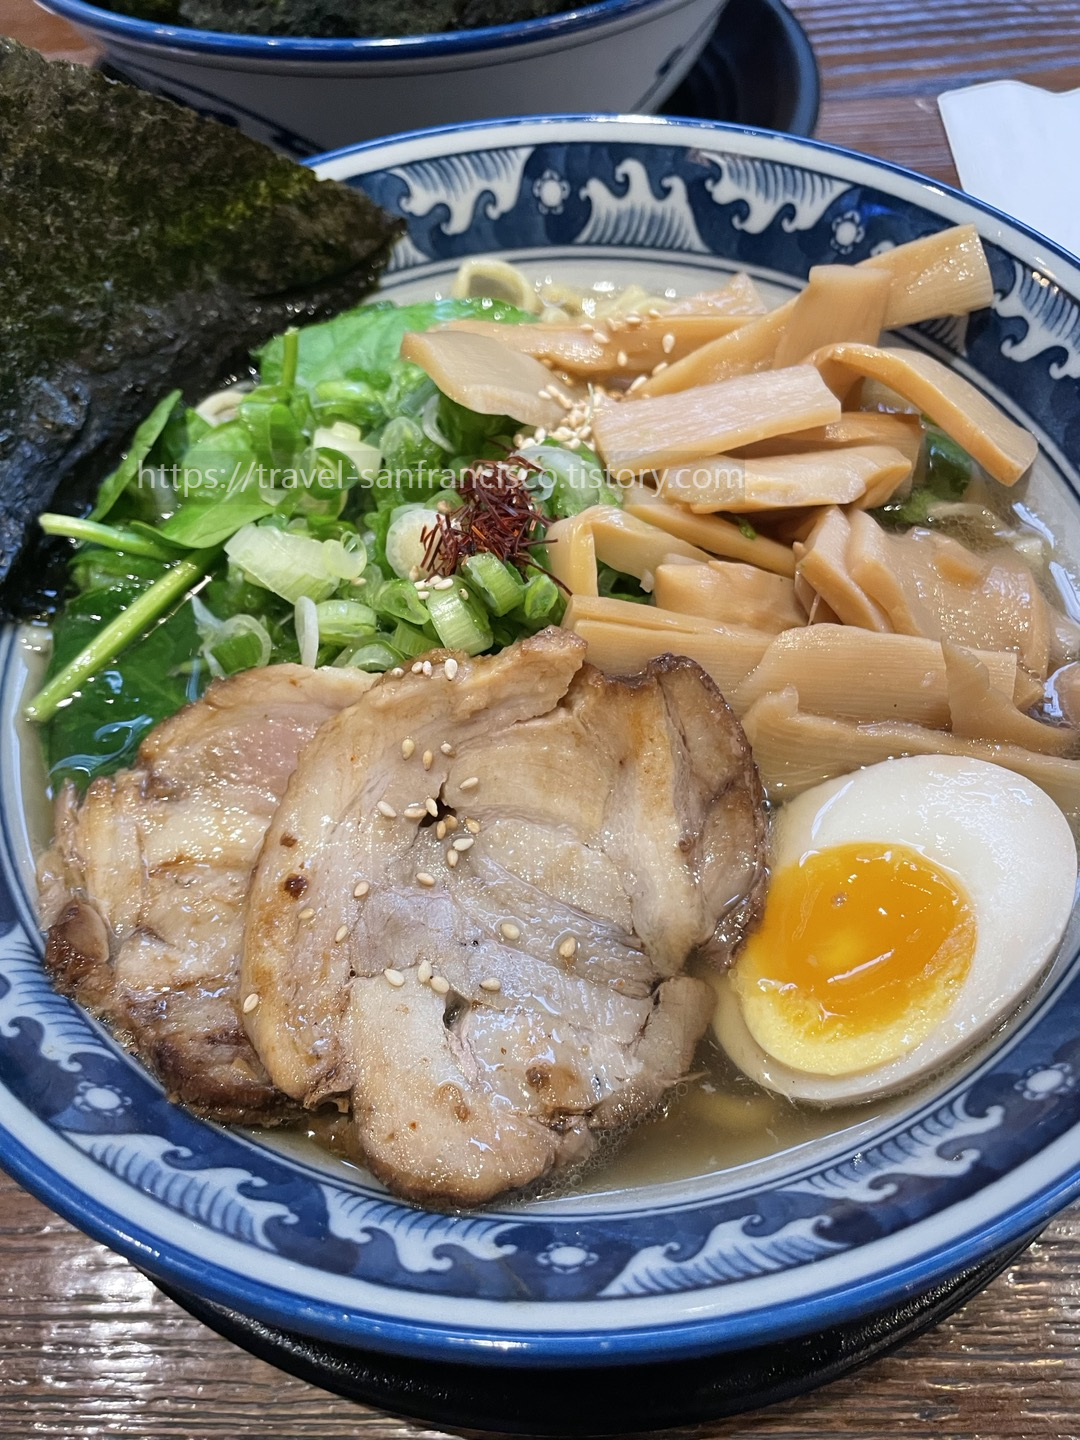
(245, 649)
(293, 565)
(344, 622)
(240, 643)
(459, 621)
(543, 601)
(398, 599)
(306, 624)
(342, 442)
(411, 641)
(127, 626)
(374, 657)
(576, 479)
(112, 537)
(499, 585)
(405, 543)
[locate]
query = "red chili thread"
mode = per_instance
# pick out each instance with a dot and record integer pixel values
(498, 515)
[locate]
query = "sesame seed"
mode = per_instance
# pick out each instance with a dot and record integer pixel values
(386, 809)
(451, 822)
(473, 827)
(341, 934)
(465, 843)
(414, 573)
(509, 930)
(446, 748)
(440, 830)
(250, 1004)
(397, 672)
(653, 313)
(440, 985)
(408, 748)
(633, 320)
(602, 338)
(637, 384)
(307, 914)
(538, 439)
(568, 948)
(470, 784)
(425, 972)
(656, 369)
(361, 890)
(426, 667)
(395, 977)
(431, 805)
(622, 359)
(588, 329)
(450, 668)
(359, 582)
(446, 583)
(415, 812)
(428, 760)
(418, 669)
(421, 584)
(667, 344)
(452, 858)
(492, 984)
(424, 879)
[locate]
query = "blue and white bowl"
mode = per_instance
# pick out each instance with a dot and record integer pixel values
(307, 96)
(833, 1229)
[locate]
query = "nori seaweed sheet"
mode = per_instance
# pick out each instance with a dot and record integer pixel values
(142, 248)
(340, 19)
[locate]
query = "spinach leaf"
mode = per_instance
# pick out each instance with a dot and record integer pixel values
(364, 343)
(143, 441)
(219, 483)
(151, 680)
(945, 475)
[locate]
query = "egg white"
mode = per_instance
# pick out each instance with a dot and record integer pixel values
(1010, 849)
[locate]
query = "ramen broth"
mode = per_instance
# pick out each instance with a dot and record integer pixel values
(717, 1118)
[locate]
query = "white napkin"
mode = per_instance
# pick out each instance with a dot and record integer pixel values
(1016, 147)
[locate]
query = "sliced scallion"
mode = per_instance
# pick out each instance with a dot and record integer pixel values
(460, 622)
(411, 641)
(499, 585)
(375, 657)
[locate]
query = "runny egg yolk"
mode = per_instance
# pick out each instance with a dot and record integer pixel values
(861, 952)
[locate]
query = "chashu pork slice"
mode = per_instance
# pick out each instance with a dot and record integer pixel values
(143, 892)
(491, 986)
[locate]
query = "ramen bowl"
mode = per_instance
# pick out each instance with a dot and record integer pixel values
(707, 1255)
(303, 96)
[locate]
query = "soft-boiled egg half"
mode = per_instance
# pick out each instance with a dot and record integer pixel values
(911, 906)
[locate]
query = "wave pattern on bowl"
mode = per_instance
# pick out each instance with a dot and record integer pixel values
(843, 1225)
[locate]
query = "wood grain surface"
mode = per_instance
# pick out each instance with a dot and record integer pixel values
(88, 1347)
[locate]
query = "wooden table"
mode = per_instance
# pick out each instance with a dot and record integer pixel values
(89, 1348)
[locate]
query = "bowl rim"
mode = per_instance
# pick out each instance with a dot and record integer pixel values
(446, 43)
(1033, 1205)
